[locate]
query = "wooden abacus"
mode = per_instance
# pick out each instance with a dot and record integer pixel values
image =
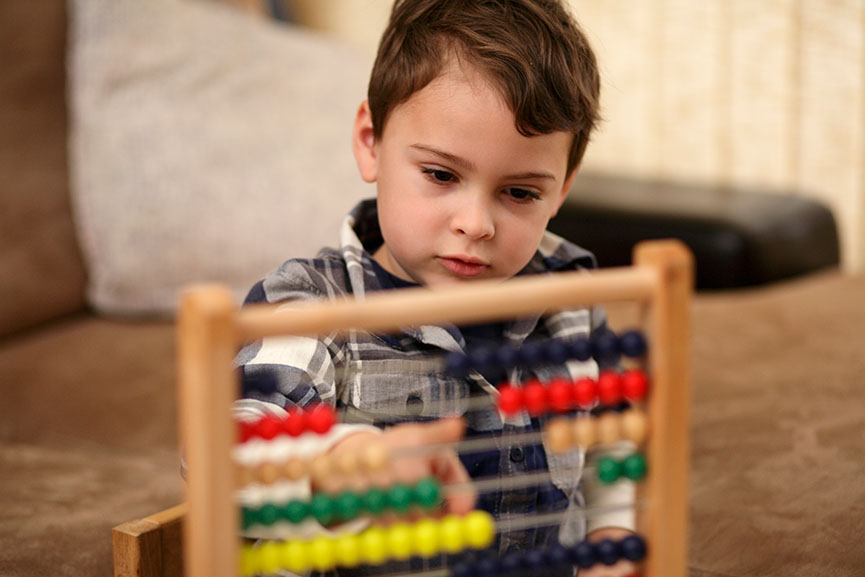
(211, 330)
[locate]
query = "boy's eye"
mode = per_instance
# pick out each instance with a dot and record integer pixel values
(438, 175)
(522, 194)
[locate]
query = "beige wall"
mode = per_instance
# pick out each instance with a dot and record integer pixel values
(750, 92)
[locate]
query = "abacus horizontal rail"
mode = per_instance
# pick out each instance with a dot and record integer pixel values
(479, 301)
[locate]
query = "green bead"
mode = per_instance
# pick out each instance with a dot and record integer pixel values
(375, 501)
(427, 493)
(322, 508)
(296, 511)
(268, 514)
(348, 505)
(609, 470)
(634, 467)
(400, 498)
(248, 518)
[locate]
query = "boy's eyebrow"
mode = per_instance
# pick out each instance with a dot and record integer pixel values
(468, 165)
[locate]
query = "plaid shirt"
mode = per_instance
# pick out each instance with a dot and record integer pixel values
(372, 377)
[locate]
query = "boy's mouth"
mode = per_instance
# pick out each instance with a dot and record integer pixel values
(461, 265)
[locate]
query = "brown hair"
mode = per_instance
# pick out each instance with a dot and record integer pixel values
(532, 51)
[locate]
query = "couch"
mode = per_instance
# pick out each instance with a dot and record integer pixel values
(87, 418)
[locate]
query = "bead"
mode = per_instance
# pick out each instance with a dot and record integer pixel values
(487, 566)
(608, 552)
(558, 556)
(347, 550)
(268, 514)
(531, 354)
(635, 384)
(320, 419)
(268, 427)
(375, 500)
(463, 569)
(375, 457)
(634, 425)
(583, 554)
(427, 493)
(457, 365)
(634, 467)
(507, 357)
(482, 358)
(451, 534)
(245, 432)
(248, 518)
(399, 498)
(399, 541)
(295, 468)
(348, 464)
(585, 392)
(322, 507)
(479, 529)
(267, 473)
(536, 561)
(348, 505)
(269, 557)
(609, 388)
(294, 556)
(556, 352)
(511, 564)
(560, 396)
(605, 346)
(373, 545)
(580, 349)
(321, 468)
(294, 423)
(295, 511)
(248, 561)
(609, 470)
(322, 553)
(632, 344)
(425, 536)
(510, 399)
(608, 428)
(243, 476)
(535, 398)
(633, 548)
(559, 435)
(585, 432)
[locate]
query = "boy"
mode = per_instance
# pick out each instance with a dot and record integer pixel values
(478, 115)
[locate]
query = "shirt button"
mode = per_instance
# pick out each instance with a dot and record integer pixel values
(518, 455)
(414, 404)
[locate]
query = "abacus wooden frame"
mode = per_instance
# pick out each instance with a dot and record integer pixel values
(211, 329)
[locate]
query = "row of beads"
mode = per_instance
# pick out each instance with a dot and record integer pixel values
(561, 395)
(604, 346)
(372, 458)
(317, 419)
(376, 545)
(536, 561)
(563, 433)
(346, 506)
(610, 469)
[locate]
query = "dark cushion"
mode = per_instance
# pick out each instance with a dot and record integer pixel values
(739, 237)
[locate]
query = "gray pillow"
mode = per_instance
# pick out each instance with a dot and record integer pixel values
(206, 145)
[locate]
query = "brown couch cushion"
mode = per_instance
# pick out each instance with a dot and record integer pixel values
(40, 267)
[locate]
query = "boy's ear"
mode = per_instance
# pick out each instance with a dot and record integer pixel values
(363, 144)
(569, 181)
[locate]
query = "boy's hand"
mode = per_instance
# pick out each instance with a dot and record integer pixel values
(443, 465)
(621, 569)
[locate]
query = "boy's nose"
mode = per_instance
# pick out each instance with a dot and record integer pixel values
(474, 219)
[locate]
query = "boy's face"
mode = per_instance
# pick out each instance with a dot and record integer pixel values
(462, 195)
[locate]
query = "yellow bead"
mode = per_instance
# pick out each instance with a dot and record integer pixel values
(268, 557)
(399, 540)
(479, 529)
(635, 425)
(347, 550)
(426, 538)
(608, 428)
(248, 561)
(373, 543)
(451, 534)
(295, 556)
(322, 553)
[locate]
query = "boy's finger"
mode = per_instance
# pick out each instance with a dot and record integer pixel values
(450, 470)
(446, 430)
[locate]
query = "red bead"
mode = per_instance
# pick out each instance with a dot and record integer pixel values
(535, 397)
(585, 392)
(267, 427)
(609, 388)
(295, 422)
(320, 419)
(510, 399)
(559, 393)
(635, 384)
(245, 431)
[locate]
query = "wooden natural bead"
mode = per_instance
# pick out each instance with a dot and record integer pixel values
(243, 476)
(608, 428)
(559, 435)
(267, 473)
(295, 468)
(348, 464)
(375, 457)
(322, 468)
(635, 426)
(585, 432)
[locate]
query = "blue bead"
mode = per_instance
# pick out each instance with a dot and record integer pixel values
(632, 343)
(512, 564)
(457, 365)
(507, 357)
(482, 358)
(583, 554)
(462, 569)
(556, 352)
(558, 556)
(536, 561)
(487, 566)
(608, 552)
(605, 346)
(531, 354)
(580, 349)
(633, 548)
